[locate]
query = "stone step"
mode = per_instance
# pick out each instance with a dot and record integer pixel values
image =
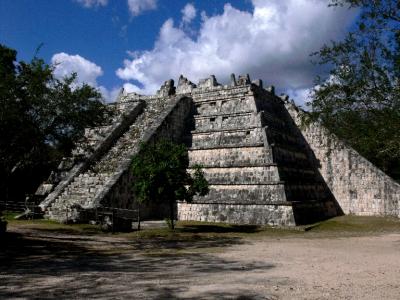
(227, 122)
(238, 146)
(297, 174)
(287, 156)
(244, 193)
(242, 175)
(228, 157)
(201, 94)
(225, 106)
(223, 130)
(283, 136)
(226, 114)
(278, 126)
(305, 191)
(236, 138)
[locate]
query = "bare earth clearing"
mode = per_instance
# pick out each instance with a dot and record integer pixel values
(38, 262)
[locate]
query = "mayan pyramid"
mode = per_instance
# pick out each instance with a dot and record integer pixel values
(262, 164)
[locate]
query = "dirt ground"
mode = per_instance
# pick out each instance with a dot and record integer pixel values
(37, 264)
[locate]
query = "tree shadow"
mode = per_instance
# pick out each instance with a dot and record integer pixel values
(241, 294)
(72, 231)
(203, 228)
(181, 242)
(37, 266)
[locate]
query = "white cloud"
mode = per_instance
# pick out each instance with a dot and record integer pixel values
(188, 13)
(301, 95)
(65, 64)
(136, 7)
(87, 72)
(92, 3)
(272, 43)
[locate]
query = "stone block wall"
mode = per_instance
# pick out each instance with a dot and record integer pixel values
(242, 175)
(272, 193)
(228, 157)
(247, 137)
(253, 214)
(359, 187)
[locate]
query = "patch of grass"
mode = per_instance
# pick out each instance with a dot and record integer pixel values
(197, 232)
(351, 225)
(10, 215)
(194, 232)
(49, 225)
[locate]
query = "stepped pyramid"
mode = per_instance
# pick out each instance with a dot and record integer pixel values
(262, 166)
(254, 158)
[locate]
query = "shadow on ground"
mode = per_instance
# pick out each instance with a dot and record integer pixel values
(43, 265)
(201, 228)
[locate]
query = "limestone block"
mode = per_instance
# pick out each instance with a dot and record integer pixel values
(245, 193)
(239, 214)
(230, 157)
(234, 138)
(236, 121)
(242, 175)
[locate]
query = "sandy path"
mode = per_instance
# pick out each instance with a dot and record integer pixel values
(76, 267)
(341, 268)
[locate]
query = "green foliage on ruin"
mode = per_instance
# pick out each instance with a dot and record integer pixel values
(160, 175)
(360, 101)
(41, 118)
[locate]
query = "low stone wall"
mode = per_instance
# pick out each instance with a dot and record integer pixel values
(257, 214)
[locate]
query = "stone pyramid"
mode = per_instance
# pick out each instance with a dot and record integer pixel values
(263, 166)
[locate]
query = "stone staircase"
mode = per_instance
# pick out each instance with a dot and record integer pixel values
(77, 195)
(82, 193)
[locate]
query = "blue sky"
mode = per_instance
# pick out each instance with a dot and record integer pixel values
(140, 43)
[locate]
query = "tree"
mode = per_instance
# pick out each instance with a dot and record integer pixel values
(40, 119)
(360, 101)
(160, 175)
